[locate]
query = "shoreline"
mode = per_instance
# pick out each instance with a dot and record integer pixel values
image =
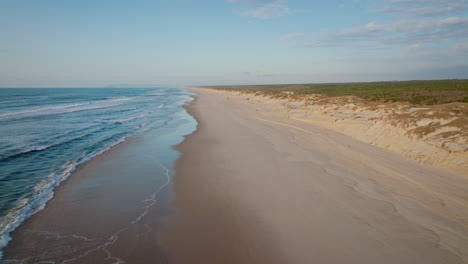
(100, 213)
(250, 186)
(58, 181)
(284, 191)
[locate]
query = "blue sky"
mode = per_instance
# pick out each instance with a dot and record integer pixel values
(57, 43)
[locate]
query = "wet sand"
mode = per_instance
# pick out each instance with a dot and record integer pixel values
(110, 209)
(255, 187)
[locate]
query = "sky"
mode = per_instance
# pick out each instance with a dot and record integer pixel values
(92, 43)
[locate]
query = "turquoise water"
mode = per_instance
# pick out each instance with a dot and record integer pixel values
(46, 133)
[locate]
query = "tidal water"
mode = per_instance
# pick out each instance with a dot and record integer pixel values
(46, 133)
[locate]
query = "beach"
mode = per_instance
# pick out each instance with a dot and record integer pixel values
(249, 185)
(253, 186)
(234, 132)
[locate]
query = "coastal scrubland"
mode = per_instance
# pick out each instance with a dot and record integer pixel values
(415, 92)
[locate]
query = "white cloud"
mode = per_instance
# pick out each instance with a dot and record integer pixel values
(424, 7)
(399, 32)
(453, 21)
(433, 31)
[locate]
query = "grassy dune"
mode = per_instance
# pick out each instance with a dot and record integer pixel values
(415, 92)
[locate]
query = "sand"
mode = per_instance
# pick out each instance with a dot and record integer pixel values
(254, 186)
(431, 134)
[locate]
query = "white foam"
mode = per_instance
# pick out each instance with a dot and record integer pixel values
(27, 149)
(69, 108)
(130, 118)
(36, 148)
(43, 192)
(41, 109)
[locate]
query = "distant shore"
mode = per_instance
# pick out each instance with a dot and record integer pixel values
(253, 186)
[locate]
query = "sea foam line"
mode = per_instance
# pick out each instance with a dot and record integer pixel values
(69, 107)
(130, 118)
(103, 244)
(44, 191)
(29, 149)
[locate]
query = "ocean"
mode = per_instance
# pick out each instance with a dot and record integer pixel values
(46, 133)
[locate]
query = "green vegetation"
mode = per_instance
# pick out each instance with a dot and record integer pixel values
(415, 92)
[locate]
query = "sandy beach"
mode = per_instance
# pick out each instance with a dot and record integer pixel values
(234, 132)
(250, 185)
(253, 186)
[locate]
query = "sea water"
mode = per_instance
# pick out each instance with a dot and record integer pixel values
(46, 133)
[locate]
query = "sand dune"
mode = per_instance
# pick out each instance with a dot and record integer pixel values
(432, 134)
(254, 186)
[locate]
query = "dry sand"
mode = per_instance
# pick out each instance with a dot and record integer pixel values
(254, 186)
(432, 134)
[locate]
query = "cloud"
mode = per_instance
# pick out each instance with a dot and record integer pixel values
(409, 32)
(263, 9)
(424, 7)
(293, 35)
(399, 32)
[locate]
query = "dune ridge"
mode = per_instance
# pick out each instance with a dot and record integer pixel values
(432, 134)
